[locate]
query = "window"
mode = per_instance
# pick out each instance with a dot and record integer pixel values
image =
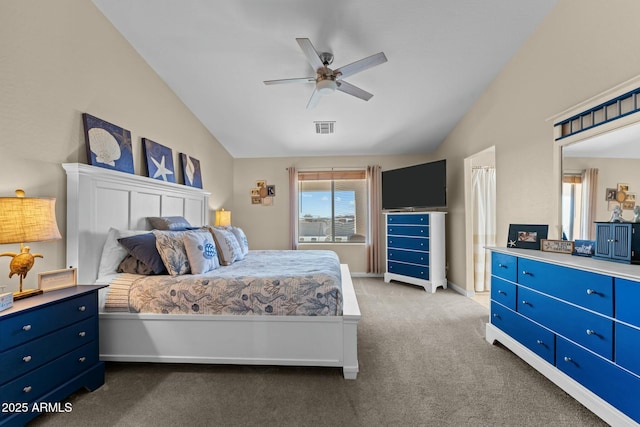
(571, 206)
(332, 207)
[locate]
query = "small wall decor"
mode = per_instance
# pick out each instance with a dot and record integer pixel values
(584, 248)
(108, 145)
(191, 171)
(559, 246)
(57, 279)
(256, 200)
(610, 194)
(263, 194)
(159, 161)
(526, 236)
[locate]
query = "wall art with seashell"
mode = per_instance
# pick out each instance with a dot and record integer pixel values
(108, 145)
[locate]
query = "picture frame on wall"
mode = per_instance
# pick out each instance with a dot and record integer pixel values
(527, 236)
(159, 161)
(108, 145)
(191, 171)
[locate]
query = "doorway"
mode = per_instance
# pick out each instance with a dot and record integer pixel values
(480, 219)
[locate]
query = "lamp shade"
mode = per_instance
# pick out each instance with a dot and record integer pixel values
(223, 218)
(27, 219)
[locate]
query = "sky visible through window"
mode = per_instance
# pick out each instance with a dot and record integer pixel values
(317, 204)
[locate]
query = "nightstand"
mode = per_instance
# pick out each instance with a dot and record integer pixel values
(48, 350)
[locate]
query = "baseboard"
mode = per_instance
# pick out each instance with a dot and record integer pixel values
(460, 289)
(366, 274)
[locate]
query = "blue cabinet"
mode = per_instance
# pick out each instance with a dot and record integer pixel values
(573, 320)
(618, 242)
(416, 249)
(49, 349)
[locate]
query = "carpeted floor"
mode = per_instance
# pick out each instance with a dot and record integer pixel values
(423, 362)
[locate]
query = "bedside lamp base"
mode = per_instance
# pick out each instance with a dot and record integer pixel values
(26, 294)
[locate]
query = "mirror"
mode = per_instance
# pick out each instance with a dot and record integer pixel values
(616, 156)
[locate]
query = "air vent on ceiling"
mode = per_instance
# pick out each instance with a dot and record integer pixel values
(324, 128)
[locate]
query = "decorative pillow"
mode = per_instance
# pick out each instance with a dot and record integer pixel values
(242, 239)
(112, 252)
(133, 265)
(201, 251)
(143, 247)
(173, 223)
(171, 248)
(227, 245)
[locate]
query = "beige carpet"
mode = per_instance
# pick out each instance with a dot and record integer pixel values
(423, 362)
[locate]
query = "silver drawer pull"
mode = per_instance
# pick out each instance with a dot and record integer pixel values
(26, 328)
(82, 333)
(592, 292)
(502, 266)
(82, 308)
(82, 359)
(568, 359)
(496, 315)
(526, 302)
(526, 273)
(591, 332)
(27, 389)
(27, 359)
(501, 292)
(539, 342)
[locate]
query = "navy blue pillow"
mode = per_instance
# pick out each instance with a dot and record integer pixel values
(143, 247)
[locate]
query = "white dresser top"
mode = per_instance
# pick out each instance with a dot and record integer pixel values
(610, 268)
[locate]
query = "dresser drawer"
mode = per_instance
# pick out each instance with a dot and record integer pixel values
(503, 292)
(42, 380)
(618, 387)
(29, 325)
(585, 328)
(21, 359)
(418, 271)
(415, 243)
(413, 257)
(628, 347)
(408, 230)
(589, 290)
(536, 338)
(504, 266)
(419, 219)
(627, 300)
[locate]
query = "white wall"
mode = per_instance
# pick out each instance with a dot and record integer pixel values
(59, 59)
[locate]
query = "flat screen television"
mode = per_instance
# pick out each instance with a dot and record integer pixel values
(421, 186)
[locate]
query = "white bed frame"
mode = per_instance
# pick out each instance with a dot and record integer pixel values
(99, 198)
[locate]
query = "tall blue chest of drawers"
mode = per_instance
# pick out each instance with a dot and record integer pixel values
(416, 249)
(48, 350)
(576, 321)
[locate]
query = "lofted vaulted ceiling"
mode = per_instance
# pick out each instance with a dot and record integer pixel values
(215, 55)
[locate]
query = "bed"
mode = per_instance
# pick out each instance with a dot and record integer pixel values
(100, 199)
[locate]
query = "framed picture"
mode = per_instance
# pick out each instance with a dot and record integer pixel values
(584, 248)
(610, 194)
(191, 171)
(271, 190)
(267, 201)
(261, 183)
(559, 246)
(159, 161)
(108, 145)
(256, 200)
(255, 192)
(623, 187)
(57, 279)
(526, 236)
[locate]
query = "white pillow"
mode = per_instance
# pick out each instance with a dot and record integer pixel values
(242, 239)
(201, 251)
(113, 252)
(227, 245)
(171, 248)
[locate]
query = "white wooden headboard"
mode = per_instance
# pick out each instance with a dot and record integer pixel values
(99, 198)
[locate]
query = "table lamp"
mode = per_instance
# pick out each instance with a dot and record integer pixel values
(223, 218)
(24, 220)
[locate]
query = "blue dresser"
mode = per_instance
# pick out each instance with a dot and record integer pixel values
(48, 350)
(574, 319)
(416, 249)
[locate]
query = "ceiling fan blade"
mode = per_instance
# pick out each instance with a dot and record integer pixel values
(311, 53)
(299, 80)
(361, 65)
(313, 101)
(353, 90)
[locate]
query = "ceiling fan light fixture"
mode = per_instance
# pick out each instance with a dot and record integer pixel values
(326, 86)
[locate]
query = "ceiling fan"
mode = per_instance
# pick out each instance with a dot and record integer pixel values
(328, 80)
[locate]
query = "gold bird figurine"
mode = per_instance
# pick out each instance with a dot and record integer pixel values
(22, 262)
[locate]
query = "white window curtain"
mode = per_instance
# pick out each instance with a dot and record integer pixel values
(293, 208)
(374, 184)
(484, 224)
(589, 186)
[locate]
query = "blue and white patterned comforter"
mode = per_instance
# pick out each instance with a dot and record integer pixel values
(270, 282)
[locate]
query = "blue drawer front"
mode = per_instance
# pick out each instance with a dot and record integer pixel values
(408, 230)
(536, 338)
(588, 329)
(627, 300)
(42, 380)
(24, 327)
(418, 219)
(412, 257)
(22, 359)
(621, 389)
(628, 347)
(590, 290)
(418, 271)
(504, 266)
(503, 292)
(415, 243)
